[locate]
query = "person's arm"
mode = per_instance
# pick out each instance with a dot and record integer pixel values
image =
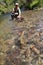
(19, 12)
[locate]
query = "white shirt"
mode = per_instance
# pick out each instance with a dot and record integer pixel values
(19, 11)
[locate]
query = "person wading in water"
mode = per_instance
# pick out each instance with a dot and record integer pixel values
(16, 13)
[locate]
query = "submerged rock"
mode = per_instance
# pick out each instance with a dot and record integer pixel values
(34, 49)
(24, 38)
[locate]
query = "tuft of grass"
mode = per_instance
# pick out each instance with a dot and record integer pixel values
(41, 2)
(34, 3)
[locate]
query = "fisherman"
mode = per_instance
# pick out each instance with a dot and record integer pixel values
(16, 13)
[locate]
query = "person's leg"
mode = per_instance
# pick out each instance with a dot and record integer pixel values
(19, 18)
(12, 16)
(15, 16)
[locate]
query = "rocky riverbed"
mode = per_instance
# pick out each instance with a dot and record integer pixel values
(21, 43)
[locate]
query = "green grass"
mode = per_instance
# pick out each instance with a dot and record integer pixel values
(35, 2)
(41, 2)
